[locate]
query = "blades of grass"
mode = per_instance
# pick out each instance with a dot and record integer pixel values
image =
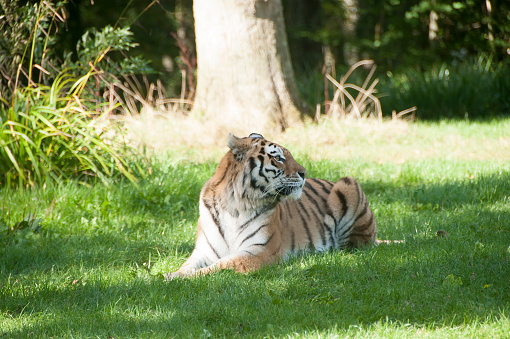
(26, 144)
(87, 161)
(34, 162)
(14, 162)
(79, 85)
(53, 135)
(369, 95)
(90, 137)
(36, 115)
(346, 93)
(353, 68)
(15, 124)
(58, 85)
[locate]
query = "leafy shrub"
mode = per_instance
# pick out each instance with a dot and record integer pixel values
(48, 133)
(47, 116)
(28, 37)
(23, 40)
(95, 48)
(475, 89)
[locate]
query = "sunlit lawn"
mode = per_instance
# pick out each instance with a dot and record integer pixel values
(94, 267)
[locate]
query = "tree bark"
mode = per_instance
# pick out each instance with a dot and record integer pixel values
(350, 23)
(244, 72)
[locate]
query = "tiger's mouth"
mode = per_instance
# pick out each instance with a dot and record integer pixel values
(286, 190)
(291, 189)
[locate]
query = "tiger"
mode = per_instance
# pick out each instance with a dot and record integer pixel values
(259, 208)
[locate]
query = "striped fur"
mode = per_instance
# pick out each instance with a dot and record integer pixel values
(258, 209)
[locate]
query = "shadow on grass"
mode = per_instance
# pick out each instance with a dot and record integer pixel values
(96, 284)
(451, 194)
(427, 283)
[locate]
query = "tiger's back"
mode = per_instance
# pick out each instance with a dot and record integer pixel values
(258, 209)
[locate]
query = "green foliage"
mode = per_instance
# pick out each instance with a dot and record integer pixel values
(26, 39)
(47, 113)
(151, 23)
(468, 27)
(93, 269)
(48, 133)
(476, 89)
(397, 33)
(328, 28)
(459, 71)
(30, 41)
(97, 46)
(20, 232)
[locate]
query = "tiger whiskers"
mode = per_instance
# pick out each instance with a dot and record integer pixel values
(268, 192)
(284, 187)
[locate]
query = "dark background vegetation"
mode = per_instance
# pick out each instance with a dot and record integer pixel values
(462, 71)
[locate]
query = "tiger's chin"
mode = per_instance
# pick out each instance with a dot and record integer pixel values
(295, 195)
(291, 192)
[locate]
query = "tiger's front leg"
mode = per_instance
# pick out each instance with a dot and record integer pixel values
(202, 256)
(240, 262)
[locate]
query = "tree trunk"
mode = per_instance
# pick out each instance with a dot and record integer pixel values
(186, 42)
(433, 26)
(350, 23)
(245, 77)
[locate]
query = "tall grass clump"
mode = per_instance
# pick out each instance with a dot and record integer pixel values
(48, 113)
(358, 101)
(478, 88)
(47, 133)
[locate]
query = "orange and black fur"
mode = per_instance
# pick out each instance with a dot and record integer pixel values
(258, 208)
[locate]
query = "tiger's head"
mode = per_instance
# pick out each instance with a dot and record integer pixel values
(265, 169)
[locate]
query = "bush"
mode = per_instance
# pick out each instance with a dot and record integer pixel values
(475, 89)
(47, 116)
(48, 133)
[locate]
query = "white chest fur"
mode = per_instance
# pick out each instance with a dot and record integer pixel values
(227, 234)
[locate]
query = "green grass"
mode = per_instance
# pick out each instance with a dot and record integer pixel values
(94, 267)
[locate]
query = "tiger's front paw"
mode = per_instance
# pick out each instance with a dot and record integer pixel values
(178, 274)
(171, 276)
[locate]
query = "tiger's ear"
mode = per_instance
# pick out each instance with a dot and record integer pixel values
(233, 141)
(238, 146)
(256, 135)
